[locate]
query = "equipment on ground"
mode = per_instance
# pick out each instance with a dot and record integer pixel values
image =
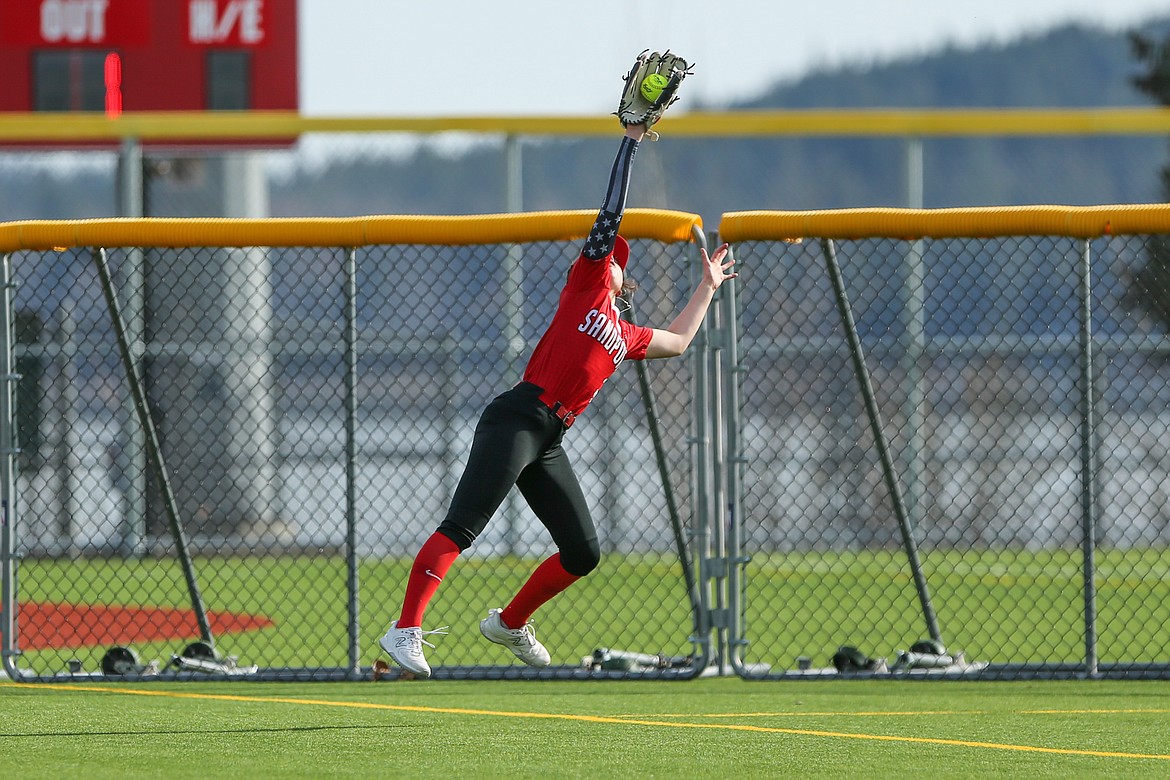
(202, 657)
(609, 659)
(120, 661)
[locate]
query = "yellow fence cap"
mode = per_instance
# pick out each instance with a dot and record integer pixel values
(983, 222)
(653, 224)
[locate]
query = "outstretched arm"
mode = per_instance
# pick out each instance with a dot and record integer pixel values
(603, 235)
(676, 337)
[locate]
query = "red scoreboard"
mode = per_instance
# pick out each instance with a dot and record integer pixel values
(148, 55)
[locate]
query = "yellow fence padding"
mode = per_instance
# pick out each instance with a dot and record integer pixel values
(655, 224)
(987, 222)
(37, 128)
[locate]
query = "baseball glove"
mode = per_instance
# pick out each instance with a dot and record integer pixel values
(640, 105)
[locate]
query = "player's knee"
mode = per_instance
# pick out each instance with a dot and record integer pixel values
(462, 537)
(582, 560)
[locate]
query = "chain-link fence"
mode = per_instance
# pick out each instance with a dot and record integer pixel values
(995, 483)
(971, 347)
(312, 408)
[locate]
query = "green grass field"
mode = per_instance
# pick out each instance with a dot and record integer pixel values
(707, 728)
(1009, 605)
(1004, 606)
(306, 598)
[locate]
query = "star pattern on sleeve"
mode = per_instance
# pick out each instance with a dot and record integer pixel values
(602, 237)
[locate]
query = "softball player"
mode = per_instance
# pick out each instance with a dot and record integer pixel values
(518, 438)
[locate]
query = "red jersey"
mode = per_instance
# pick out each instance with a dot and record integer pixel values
(586, 339)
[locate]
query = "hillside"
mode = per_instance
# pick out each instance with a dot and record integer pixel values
(1069, 66)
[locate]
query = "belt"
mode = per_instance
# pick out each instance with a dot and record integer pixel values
(559, 410)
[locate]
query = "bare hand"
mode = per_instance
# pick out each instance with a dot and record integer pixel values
(715, 270)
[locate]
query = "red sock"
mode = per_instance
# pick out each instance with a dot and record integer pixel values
(549, 579)
(430, 567)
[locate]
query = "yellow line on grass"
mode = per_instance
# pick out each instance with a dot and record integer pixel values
(1129, 711)
(596, 719)
(802, 714)
(895, 713)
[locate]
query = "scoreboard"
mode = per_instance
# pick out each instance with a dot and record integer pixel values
(148, 55)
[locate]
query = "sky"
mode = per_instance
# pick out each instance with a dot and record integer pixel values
(549, 58)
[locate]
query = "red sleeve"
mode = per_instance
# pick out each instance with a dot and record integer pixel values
(637, 340)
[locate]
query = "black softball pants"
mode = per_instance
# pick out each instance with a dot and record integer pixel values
(518, 442)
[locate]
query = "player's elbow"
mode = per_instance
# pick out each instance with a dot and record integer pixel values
(666, 344)
(677, 347)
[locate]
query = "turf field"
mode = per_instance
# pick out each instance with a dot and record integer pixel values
(711, 727)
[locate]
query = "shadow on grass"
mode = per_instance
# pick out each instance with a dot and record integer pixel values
(177, 732)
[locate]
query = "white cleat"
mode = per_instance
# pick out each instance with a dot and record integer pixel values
(404, 645)
(521, 641)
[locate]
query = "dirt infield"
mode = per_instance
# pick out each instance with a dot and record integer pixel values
(47, 626)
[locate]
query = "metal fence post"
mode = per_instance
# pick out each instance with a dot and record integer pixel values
(130, 457)
(701, 473)
(914, 319)
(718, 569)
(513, 310)
(1088, 454)
(351, 380)
(8, 511)
(154, 452)
(875, 421)
(65, 436)
(733, 370)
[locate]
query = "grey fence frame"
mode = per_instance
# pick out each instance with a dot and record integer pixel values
(720, 559)
(732, 562)
(690, 540)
